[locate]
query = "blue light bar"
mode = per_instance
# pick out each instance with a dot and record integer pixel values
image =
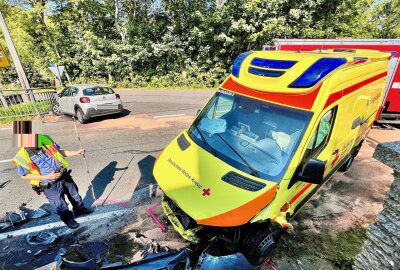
(266, 73)
(269, 63)
(317, 71)
(238, 63)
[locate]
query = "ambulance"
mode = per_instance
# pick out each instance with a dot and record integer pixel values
(390, 111)
(278, 127)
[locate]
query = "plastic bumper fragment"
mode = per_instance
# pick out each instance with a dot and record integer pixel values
(190, 234)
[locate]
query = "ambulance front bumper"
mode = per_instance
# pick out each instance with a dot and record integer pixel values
(188, 234)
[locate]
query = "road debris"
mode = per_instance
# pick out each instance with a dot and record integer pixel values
(13, 218)
(41, 238)
(164, 260)
(38, 213)
(154, 217)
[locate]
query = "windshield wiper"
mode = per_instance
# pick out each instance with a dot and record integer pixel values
(204, 140)
(253, 171)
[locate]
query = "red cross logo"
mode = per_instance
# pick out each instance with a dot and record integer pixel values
(335, 159)
(206, 192)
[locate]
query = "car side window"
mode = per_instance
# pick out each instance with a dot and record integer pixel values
(321, 136)
(65, 91)
(73, 92)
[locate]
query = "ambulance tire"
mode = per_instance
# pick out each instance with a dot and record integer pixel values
(346, 166)
(81, 116)
(260, 241)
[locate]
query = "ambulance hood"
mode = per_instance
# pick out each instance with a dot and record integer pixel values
(207, 189)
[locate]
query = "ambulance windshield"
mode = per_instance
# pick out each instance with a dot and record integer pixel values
(251, 135)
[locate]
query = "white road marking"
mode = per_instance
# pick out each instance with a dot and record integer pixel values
(169, 115)
(5, 161)
(39, 228)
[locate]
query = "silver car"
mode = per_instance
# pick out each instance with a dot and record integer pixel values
(85, 101)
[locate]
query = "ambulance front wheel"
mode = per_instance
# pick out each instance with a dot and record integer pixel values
(260, 241)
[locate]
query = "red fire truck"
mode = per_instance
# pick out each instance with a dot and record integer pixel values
(390, 110)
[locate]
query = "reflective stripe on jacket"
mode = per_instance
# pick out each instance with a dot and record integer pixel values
(23, 159)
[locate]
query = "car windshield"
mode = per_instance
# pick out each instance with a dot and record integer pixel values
(249, 134)
(93, 91)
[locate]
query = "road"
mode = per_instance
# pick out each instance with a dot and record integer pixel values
(120, 152)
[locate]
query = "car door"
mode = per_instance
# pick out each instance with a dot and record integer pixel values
(63, 99)
(72, 100)
(322, 147)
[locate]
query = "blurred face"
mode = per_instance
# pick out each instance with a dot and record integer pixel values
(26, 133)
(26, 140)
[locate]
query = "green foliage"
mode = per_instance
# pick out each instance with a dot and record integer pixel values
(176, 43)
(338, 247)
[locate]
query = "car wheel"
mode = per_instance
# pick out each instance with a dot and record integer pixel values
(56, 109)
(80, 116)
(260, 241)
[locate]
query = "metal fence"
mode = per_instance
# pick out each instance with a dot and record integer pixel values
(26, 102)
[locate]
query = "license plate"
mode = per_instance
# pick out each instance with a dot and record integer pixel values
(107, 107)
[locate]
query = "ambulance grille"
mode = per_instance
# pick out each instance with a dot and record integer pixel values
(242, 182)
(183, 143)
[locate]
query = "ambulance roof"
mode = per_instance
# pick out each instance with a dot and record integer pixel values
(295, 72)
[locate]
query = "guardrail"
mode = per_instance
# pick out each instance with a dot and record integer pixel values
(26, 102)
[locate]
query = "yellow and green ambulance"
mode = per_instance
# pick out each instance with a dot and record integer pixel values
(278, 127)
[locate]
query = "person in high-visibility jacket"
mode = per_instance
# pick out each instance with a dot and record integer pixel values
(41, 161)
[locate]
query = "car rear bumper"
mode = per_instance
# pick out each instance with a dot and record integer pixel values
(92, 112)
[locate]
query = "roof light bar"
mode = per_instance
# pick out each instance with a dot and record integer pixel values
(269, 63)
(238, 63)
(266, 73)
(317, 71)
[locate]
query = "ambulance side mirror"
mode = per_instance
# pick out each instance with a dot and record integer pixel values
(313, 172)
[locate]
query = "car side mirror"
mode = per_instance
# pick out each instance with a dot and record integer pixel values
(313, 172)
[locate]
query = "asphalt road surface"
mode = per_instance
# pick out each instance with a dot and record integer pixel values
(120, 150)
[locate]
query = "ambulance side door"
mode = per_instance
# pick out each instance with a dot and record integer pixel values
(322, 145)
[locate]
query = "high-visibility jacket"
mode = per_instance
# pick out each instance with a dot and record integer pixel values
(23, 159)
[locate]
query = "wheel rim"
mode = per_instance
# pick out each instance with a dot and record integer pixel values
(57, 109)
(267, 243)
(80, 117)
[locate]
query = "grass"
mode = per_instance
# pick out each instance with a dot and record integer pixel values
(340, 248)
(24, 109)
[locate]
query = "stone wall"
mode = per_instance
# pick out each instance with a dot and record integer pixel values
(382, 247)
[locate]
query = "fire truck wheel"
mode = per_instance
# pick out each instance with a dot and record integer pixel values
(260, 241)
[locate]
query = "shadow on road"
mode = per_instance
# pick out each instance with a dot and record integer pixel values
(146, 178)
(100, 182)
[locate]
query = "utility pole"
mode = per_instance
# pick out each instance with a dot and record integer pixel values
(14, 55)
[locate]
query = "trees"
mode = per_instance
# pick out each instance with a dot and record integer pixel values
(182, 42)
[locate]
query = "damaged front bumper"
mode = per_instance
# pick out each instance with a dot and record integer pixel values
(176, 216)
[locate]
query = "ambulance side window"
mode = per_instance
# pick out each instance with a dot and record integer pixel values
(321, 136)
